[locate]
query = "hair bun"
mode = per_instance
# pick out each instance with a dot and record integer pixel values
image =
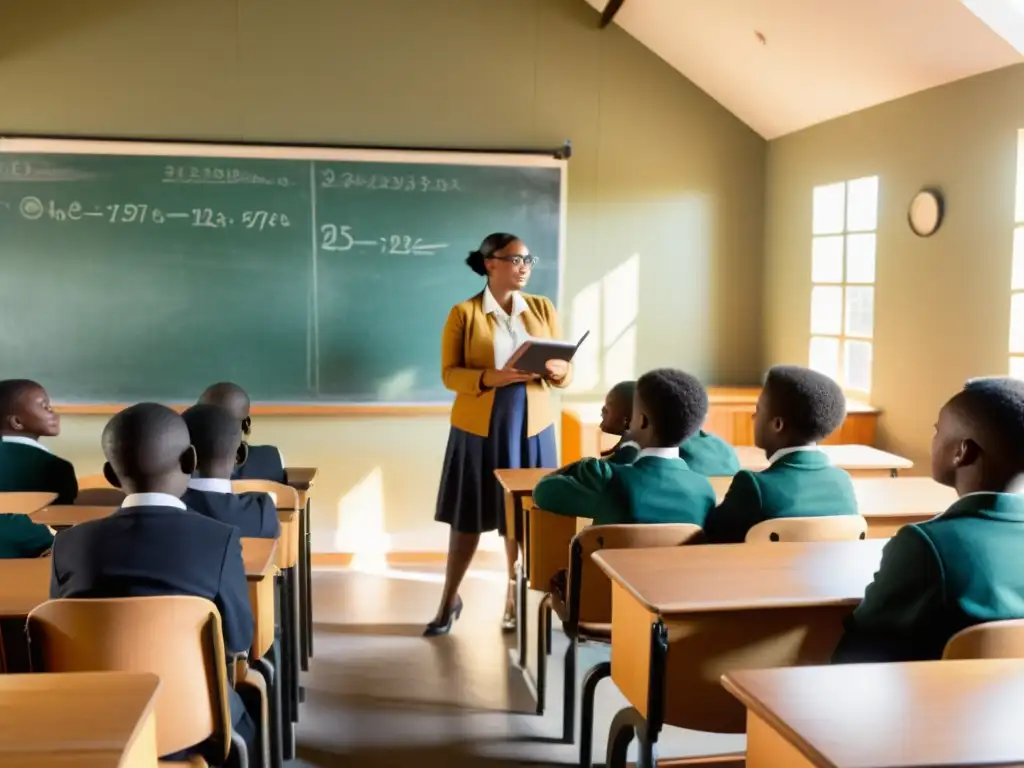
(475, 260)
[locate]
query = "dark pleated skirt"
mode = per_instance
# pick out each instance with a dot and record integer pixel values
(470, 498)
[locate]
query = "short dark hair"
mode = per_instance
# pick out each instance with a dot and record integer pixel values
(229, 396)
(811, 404)
(995, 405)
(145, 440)
(214, 431)
(493, 243)
(624, 391)
(11, 391)
(676, 402)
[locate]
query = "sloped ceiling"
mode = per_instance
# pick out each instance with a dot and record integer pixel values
(783, 65)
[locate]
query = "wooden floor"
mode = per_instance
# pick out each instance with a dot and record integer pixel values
(378, 694)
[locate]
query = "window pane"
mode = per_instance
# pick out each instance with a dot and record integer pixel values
(827, 310)
(860, 311)
(829, 202)
(860, 258)
(1017, 322)
(824, 356)
(1017, 281)
(1017, 367)
(827, 259)
(862, 204)
(857, 365)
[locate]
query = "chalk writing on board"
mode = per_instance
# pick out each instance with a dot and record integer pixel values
(190, 174)
(22, 170)
(330, 179)
(32, 208)
(340, 239)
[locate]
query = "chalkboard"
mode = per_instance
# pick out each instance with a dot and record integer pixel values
(138, 271)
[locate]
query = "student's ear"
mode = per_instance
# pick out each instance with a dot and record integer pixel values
(110, 475)
(644, 421)
(188, 461)
(15, 423)
(242, 455)
(777, 424)
(246, 425)
(967, 453)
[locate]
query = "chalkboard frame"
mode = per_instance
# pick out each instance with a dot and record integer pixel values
(557, 159)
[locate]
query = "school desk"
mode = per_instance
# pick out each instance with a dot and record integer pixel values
(931, 713)
(682, 616)
(286, 559)
(61, 516)
(302, 480)
(730, 416)
(858, 460)
(82, 719)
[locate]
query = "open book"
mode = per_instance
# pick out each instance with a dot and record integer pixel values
(533, 355)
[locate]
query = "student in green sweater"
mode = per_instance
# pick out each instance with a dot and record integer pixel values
(658, 487)
(705, 453)
(25, 465)
(963, 567)
(797, 407)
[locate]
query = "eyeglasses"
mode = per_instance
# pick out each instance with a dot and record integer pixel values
(517, 261)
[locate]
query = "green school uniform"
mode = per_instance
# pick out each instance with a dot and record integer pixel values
(959, 569)
(25, 465)
(653, 489)
(798, 483)
(709, 455)
(20, 537)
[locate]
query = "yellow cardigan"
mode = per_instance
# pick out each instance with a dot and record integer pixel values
(467, 350)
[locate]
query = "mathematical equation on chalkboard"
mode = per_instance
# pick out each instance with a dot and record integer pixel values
(190, 174)
(330, 179)
(340, 238)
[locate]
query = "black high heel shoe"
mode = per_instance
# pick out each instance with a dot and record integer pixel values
(436, 628)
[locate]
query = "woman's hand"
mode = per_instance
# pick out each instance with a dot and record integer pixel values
(557, 369)
(494, 378)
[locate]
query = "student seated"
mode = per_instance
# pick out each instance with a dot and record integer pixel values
(153, 545)
(25, 465)
(658, 487)
(264, 462)
(796, 408)
(217, 438)
(963, 567)
(704, 453)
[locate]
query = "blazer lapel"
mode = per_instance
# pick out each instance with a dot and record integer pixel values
(480, 344)
(534, 325)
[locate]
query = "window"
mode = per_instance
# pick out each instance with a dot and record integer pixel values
(844, 220)
(1017, 274)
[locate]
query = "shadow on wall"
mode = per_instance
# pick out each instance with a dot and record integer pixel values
(26, 27)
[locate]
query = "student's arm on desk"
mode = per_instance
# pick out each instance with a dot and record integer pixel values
(232, 598)
(581, 489)
(28, 539)
(456, 377)
(900, 616)
(739, 511)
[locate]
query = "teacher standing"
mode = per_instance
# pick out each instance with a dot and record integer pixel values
(501, 419)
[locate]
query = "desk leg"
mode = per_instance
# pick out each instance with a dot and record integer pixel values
(595, 675)
(307, 587)
(285, 674)
(267, 667)
(303, 593)
(521, 614)
(629, 723)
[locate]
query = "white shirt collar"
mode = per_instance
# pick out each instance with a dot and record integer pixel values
(661, 453)
(786, 451)
(491, 305)
(210, 484)
(152, 500)
(25, 441)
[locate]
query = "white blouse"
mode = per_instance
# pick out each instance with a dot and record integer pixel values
(509, 331)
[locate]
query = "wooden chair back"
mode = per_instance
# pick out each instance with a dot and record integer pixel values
(178, 638)
(825, 528)
(992, 640)
(595, 589)
(24, 502)
(100, 497)
(286, 499)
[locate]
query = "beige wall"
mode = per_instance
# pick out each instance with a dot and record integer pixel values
(942, 303)
(662, 176)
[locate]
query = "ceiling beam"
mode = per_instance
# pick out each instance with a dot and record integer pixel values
(609, 12)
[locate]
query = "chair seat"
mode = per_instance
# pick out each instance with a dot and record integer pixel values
(586, 629)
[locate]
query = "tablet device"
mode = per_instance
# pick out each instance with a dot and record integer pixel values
(533, 355)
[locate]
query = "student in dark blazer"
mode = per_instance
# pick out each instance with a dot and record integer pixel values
(797, 408)
(217, 438)
(658, 487)
(704, 453)
(25, 464)
(153, 545)
(264, 462)
(963, 567)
